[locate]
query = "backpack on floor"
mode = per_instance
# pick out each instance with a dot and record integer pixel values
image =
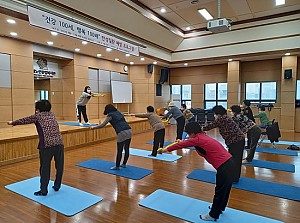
(293, 147)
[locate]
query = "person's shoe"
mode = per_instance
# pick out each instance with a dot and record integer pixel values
(115, 168)
(207, 217)
(245, 161)
(80, 124)
(55, 189)
(87, 123)
(209, 207)
(40, 193)
(123, 165)
(151, 155)
(235, 182)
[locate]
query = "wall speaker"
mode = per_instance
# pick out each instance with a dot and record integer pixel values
(164, 75)
(158, 90)
(150, 68)
(288, 74)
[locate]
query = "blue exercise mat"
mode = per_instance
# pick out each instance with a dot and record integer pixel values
(76, 124)
(189, 209)
(253, 185)
(165, 143)
(145, 153)
(277, 151)
(272, 165)
(280, 142)
(68, 200)
(131, 172)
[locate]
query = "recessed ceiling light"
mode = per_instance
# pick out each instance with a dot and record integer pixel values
(77, 49)
(99, 55)
(280, 2)
(142, 59)
(205, 14)
(54, 33)
(185, 64)
(131, 63)
(154, 62)
(229, 60)
(108, 49)
(13, 34)
(188, 28)
(127, 55)
(50, 43)
(11, 21)
(84, 42)
(162, 10)
(117, 59)
(287, 54)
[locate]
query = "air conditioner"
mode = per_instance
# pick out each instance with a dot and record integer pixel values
(219, 25)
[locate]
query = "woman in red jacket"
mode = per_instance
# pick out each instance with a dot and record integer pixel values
(211, 150)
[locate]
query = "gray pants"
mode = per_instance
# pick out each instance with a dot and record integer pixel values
(253, 136)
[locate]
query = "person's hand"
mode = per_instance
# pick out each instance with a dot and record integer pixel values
(9, 122)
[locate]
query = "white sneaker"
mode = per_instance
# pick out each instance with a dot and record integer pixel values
(207, 217)
(87, 123)
(80, 124)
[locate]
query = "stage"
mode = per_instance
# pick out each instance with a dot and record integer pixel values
(19, 143)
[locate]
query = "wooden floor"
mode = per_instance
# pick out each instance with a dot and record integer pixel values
(121, 195)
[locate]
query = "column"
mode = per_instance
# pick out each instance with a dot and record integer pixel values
(234, 83)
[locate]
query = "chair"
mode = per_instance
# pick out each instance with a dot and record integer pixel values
(200, 118)
(272, 133)
(210, 117)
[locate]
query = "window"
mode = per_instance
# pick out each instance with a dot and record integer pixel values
(261, 92)
(215, 94)
(182, 94)
(298, 90)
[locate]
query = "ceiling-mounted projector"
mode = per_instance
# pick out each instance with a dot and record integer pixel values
(219, 25)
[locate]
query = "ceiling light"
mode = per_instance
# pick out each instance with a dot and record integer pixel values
(99, 55)
(280, 2)
(131, 63)
(50, 43)
(287, 54)
(77, 49)
(54, 33)
(127, 54)
(142, 59)
(108, 49)
(13, 34)
(205, 14)
(154, 62)
(11, 21)
(117, 59)
(188, 28)
(84, 42)
(185, 64)
(162, 10)
(229, 60)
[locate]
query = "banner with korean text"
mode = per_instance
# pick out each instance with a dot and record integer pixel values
(64, 26)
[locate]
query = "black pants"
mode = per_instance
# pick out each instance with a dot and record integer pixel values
(158, 142)
(81, 110)
(46, 156)
(236, 150)
(224, 179)
(120, 146)
(180, 126)
(253, 136)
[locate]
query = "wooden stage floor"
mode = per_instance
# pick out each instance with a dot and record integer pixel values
(121, 195)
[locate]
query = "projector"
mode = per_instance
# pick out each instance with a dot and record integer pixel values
(219, 25)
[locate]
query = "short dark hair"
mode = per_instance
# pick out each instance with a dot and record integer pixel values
(109, 108)
(183, 105)
(150, 108)
(262, 108)
(193, 127)
(43, 105)
(219, 110)
(247, 102)
(236, 109)
(85, 88)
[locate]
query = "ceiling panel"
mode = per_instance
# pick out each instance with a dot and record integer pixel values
(152, 4)
(176, 19)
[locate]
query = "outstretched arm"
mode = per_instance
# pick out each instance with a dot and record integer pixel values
(23, 121)
(104, 123)
(179, 145)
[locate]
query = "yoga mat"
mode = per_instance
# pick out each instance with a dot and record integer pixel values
(144, 153)
(277, 151)
(68, 200)
(165, 143)
(130, 172)
(272, 165)
(253, 185)
(76, 124)
(189, 209)
(281, 142)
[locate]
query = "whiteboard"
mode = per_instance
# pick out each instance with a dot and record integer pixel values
(121, 91)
